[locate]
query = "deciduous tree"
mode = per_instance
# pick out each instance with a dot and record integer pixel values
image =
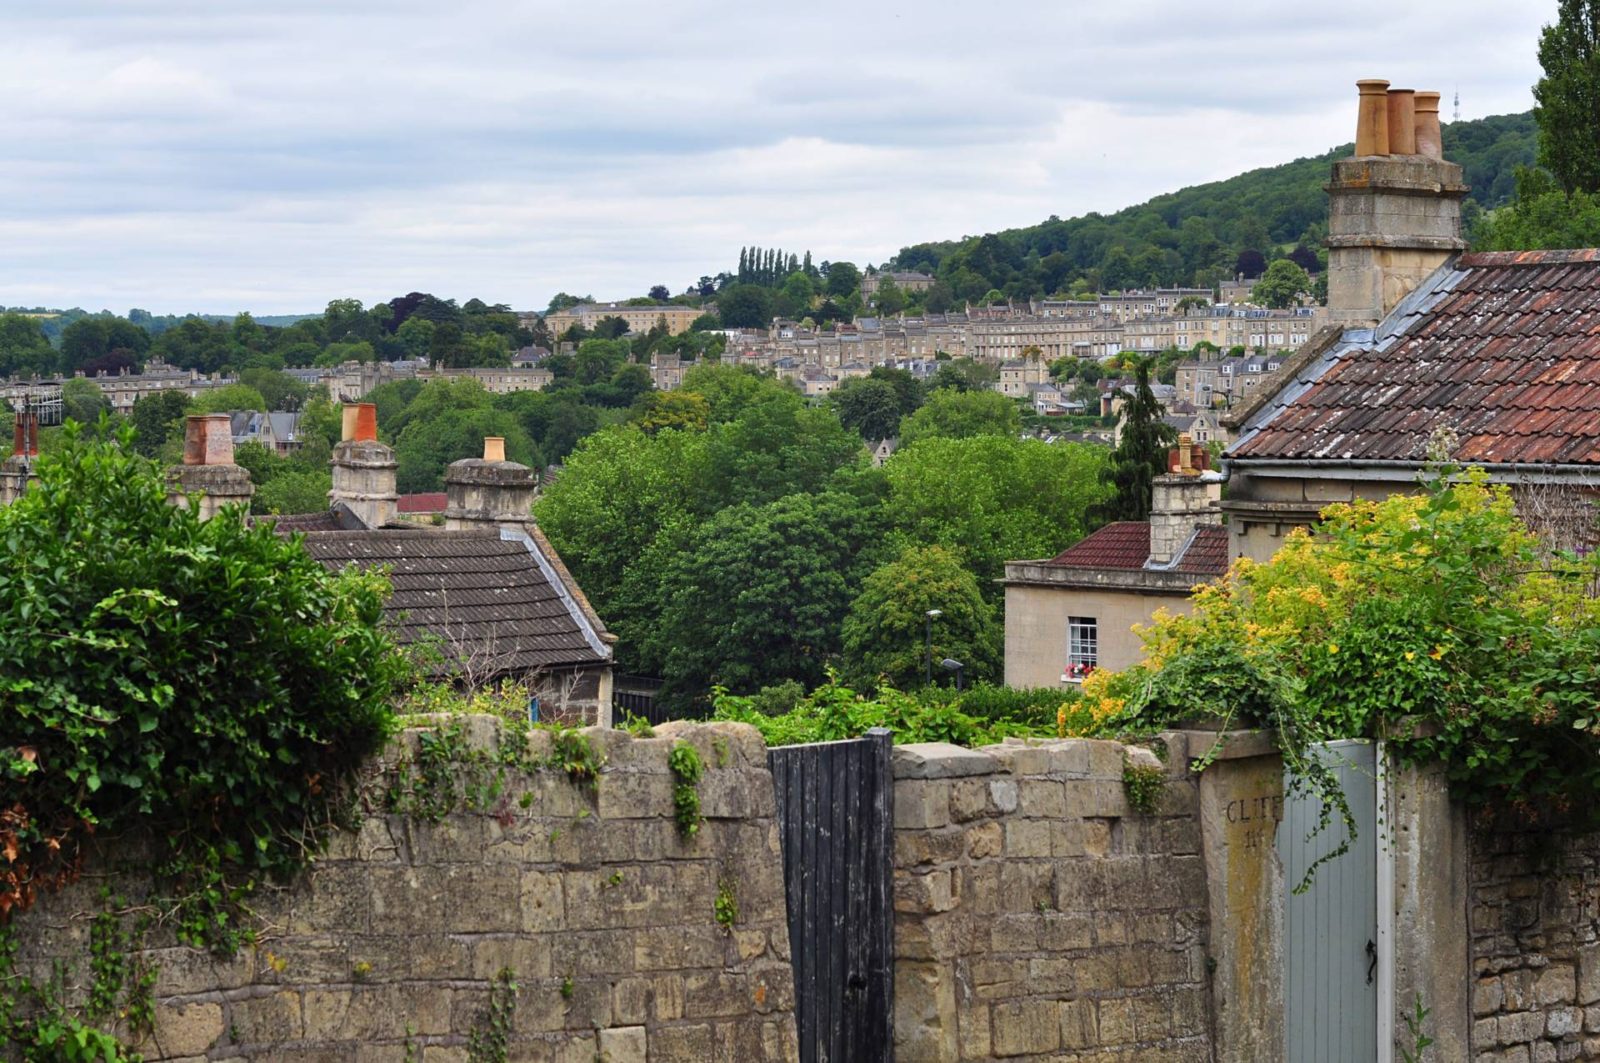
(887, 632)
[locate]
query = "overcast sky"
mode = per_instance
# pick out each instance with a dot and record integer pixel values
(219, 155)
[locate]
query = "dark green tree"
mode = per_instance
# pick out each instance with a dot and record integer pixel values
(745, 306)
(1141, 453)
(869, 406)
(156, 418)
(843, 279)
(761, 594)
(1568, 96)
(24, 350)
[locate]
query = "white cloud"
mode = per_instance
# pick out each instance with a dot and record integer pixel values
(190, 155)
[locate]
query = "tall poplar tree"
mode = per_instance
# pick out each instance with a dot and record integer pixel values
(1568, 96)
(1141, 454)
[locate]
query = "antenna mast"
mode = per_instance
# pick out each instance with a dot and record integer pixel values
(1457, 117)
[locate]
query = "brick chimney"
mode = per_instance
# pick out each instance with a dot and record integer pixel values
(364, 469)
(16, 472)
(1182, 500)
(1394, 209)
(488, 491)
(208, 480)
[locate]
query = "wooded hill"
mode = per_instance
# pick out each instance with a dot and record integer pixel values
(1201, 234)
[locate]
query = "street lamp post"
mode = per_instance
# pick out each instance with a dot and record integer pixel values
(927, 645)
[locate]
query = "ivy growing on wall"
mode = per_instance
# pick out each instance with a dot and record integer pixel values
(1436, 620)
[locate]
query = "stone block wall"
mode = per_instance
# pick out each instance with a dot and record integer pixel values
(1535, 937)
(1038, 916)
(605, 916)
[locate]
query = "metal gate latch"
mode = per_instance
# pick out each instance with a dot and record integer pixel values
(1372, 960)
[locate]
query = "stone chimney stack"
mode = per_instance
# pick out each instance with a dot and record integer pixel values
(16, 472)
(1394, 210)
(1187, 497)
(364, 469)
(488, 491)
(208, 480)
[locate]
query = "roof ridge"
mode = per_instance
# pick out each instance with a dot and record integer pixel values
(1559, 257)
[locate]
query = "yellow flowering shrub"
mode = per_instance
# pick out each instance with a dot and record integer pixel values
(1435, 619)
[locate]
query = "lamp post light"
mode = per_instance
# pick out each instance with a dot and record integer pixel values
(957, 667)
(927, 646)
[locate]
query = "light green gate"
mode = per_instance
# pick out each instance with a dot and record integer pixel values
(1337, 962)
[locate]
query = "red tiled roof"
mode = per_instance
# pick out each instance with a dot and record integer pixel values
(1503, 350)
(426, 502)
(1124, 544)
(1207, 553)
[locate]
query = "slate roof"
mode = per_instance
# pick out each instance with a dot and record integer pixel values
(1125, 545)
(483, 596)
(1502, 349)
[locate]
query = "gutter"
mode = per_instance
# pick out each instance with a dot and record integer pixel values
(1373, 468)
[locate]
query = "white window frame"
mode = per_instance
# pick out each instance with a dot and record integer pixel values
(1083, 648)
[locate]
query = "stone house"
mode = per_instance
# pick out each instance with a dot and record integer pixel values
(905, 280)
(1016, 377)
(1071, 614)
(666, 371)
(1486, 359)
(483, 598)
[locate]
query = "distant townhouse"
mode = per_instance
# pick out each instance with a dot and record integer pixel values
(676, 318)
(905, 280)
(496, 381)
(666, 371)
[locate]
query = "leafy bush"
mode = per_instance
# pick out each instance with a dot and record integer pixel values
(205, 682)
(1435, 620)
(834, 711)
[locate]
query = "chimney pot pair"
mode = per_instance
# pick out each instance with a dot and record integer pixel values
(1397, 121)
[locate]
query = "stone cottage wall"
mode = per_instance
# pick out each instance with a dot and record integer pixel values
(1535, 938)
(1037, 916)
(388, 948)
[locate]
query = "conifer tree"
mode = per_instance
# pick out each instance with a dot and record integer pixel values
(1568, 96)
(1141, 454)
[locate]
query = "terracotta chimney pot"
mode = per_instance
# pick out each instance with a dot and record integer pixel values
(208, 439)
(494, 448)
(1430, 140)
(1402, 122)
(360, 422)
(1372, 121)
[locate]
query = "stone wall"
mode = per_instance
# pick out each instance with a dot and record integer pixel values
(603, 913)
(1535, 938)
(1038, 916)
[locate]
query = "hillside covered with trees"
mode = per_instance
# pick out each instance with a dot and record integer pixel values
(1198, 235)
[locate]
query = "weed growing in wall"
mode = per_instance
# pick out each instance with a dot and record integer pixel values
(687, 769)
(1145, 785)
(490, 1039)
(726, 906)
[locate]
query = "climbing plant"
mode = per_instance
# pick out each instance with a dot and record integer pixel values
(1436, 620)
(204, 682)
